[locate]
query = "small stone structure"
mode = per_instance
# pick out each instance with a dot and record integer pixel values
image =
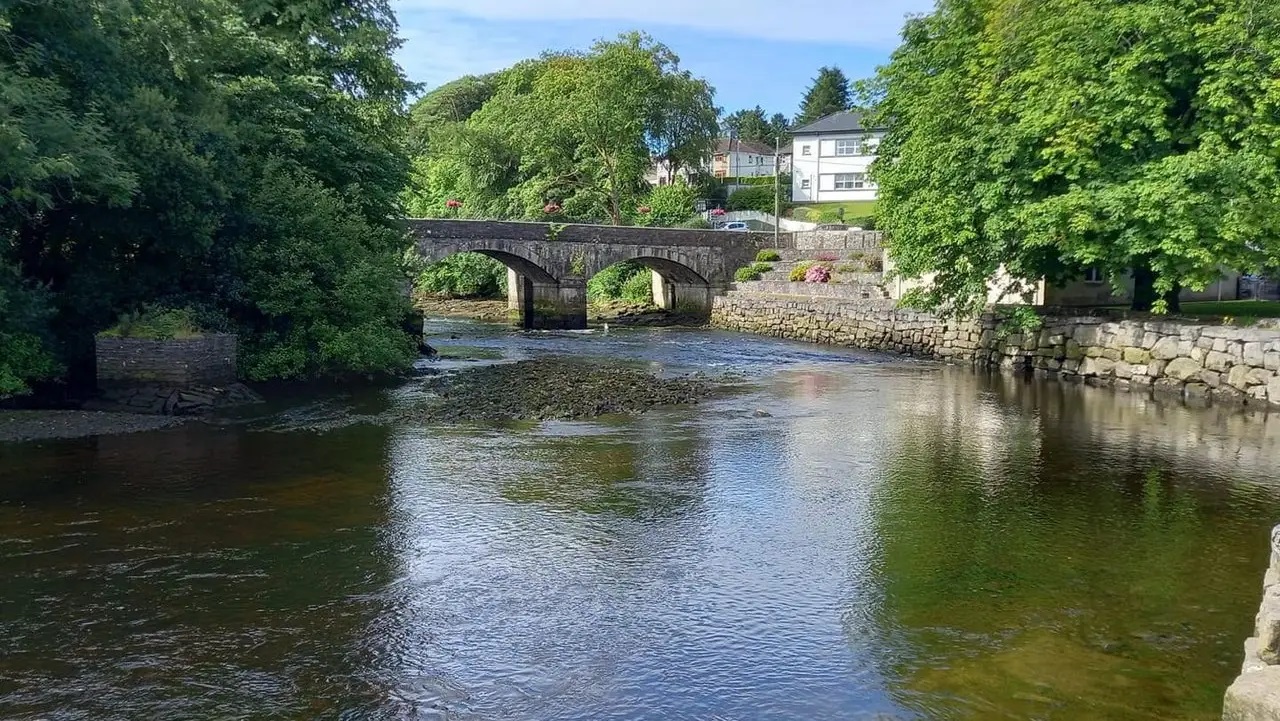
(867, 241)
(181, 376)
(207, 359)
(1195, 361)
(1255, 694)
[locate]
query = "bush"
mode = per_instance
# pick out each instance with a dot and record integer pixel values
(608, 284)
(866, 222)
(799, 271)
(851, 268)
(696, 222)
(768, 255)
(639, 288)
(25, 339)
(875, 264)
(826, 257)
(756, 197)
(752, 272)
(156, 324)
(669, 205)
(818, 274)
(464, 275)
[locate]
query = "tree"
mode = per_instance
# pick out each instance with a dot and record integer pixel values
(1049, 138)
(828, 94)
(576, 129)
(453, 102)
(752, 125)
(669, 205)
(146, 146)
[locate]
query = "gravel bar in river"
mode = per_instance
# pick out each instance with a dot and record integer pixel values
(555, 388)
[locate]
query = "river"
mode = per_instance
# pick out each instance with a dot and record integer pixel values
(887, 539)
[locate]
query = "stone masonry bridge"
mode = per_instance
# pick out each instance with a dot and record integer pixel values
(548, 264)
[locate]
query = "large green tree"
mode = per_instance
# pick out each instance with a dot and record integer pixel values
(578, 130)
(144, 145)
(754, 125)
(1046, 138)
(829, 93)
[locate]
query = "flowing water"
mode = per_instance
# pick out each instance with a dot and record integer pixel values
(886, 540)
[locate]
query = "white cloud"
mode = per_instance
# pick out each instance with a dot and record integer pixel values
(438, 51)
(867, 23)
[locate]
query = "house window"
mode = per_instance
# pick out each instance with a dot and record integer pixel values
(850, 181)
(804, 183)
(1093, 274)
(804, 150)
(848, 147)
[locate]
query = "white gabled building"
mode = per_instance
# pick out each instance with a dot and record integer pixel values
(829, 159)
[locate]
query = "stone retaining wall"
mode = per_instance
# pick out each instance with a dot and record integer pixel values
(208, 359)
(868, 241)
(1255, 694)
(1199, 362)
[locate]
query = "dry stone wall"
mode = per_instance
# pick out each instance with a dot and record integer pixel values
(1255, 694)
(1199, 362)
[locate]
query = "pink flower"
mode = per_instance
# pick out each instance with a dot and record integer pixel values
(551, 208)
(452, 203)
(817, 274)
(717, 211)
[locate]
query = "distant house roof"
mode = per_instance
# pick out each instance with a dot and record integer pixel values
(847, 121)
(725, 145)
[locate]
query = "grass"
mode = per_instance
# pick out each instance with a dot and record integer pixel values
(1238, 309)
(826, 212)
(156, 324)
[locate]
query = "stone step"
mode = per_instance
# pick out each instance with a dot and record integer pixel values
(791, 256)
(783, 274)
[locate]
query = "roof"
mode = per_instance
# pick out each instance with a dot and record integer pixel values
(723, 145)
(845, 121)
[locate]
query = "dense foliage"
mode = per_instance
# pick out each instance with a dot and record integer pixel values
(829, 93)
(628, 280)
(237, 156)
(1055, 136)
(753, 125)
(754, 197)
(573, 130)
(668, 205)
(464, 275)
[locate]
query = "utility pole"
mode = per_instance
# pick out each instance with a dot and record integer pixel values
(777, 188)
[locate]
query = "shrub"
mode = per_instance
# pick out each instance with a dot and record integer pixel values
(608, 284)
(826, 257)
(875, 264)
(697, 222)
(668, 205)
(639, 287)
(752, 272)
(799, 271)
(156, 324)
(818, 274)
(768, 255)
(25, 338)
(464, 275)
(850, 268)
(866, 222)
(858, 256)
(756, 197)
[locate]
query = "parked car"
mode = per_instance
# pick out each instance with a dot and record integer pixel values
(735, 226)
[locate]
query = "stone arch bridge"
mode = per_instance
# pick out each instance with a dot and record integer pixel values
(548, 264)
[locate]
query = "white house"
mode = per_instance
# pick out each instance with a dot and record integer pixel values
(829, 159)
(736, 158)
(730, 157)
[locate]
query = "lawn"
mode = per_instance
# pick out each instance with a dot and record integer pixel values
(1238, 309)
(826, 212)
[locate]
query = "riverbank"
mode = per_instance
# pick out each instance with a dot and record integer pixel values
(1197, 362)
(613, 312)
(24, 426)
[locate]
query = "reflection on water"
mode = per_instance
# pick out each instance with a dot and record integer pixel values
(894, 540)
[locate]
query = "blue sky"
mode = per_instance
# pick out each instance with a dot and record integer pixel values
(753, 52)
